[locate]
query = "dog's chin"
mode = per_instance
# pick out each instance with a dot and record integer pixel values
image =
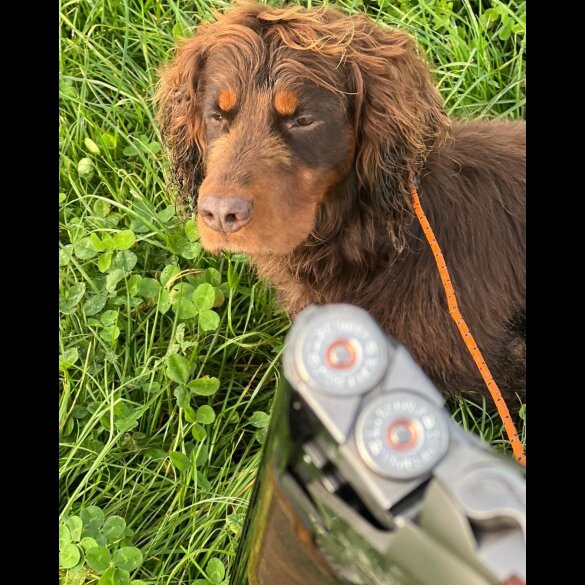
(248, 242)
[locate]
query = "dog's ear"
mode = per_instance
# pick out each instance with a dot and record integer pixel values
(399, 114)
(179, 117)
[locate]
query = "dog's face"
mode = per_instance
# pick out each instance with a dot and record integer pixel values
(275, 149)
(267, 113)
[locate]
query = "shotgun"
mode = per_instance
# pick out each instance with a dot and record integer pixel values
(366, 480)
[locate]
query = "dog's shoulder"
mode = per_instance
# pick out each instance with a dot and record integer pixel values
(482, 170)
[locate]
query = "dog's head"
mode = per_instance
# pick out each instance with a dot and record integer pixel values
(268, 112)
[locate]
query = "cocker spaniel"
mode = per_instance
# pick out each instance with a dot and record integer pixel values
(298, 134)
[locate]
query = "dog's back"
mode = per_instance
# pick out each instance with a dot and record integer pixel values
(473, 192)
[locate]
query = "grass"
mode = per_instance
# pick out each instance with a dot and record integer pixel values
(170, 356)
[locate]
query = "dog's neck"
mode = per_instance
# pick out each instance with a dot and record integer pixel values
(350, 243)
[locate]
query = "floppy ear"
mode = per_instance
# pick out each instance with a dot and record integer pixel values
(399, 114)
(179, 117)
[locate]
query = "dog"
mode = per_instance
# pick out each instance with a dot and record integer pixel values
(298, 134)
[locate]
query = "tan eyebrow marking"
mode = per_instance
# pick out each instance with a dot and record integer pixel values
(286, 103)
(227, 99)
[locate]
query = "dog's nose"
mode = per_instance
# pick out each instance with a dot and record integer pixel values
(225, 214)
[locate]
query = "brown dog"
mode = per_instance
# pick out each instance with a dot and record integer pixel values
(298, 134)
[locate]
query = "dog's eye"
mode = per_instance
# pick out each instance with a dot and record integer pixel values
(216, 116)
(303, 121)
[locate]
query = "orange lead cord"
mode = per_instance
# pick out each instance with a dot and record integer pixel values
(466, 334)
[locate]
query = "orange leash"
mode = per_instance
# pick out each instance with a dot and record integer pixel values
(466, 334)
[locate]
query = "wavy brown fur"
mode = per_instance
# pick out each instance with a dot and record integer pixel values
(334, 223)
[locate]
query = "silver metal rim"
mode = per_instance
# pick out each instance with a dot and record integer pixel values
(368, 340)
(393, 464)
